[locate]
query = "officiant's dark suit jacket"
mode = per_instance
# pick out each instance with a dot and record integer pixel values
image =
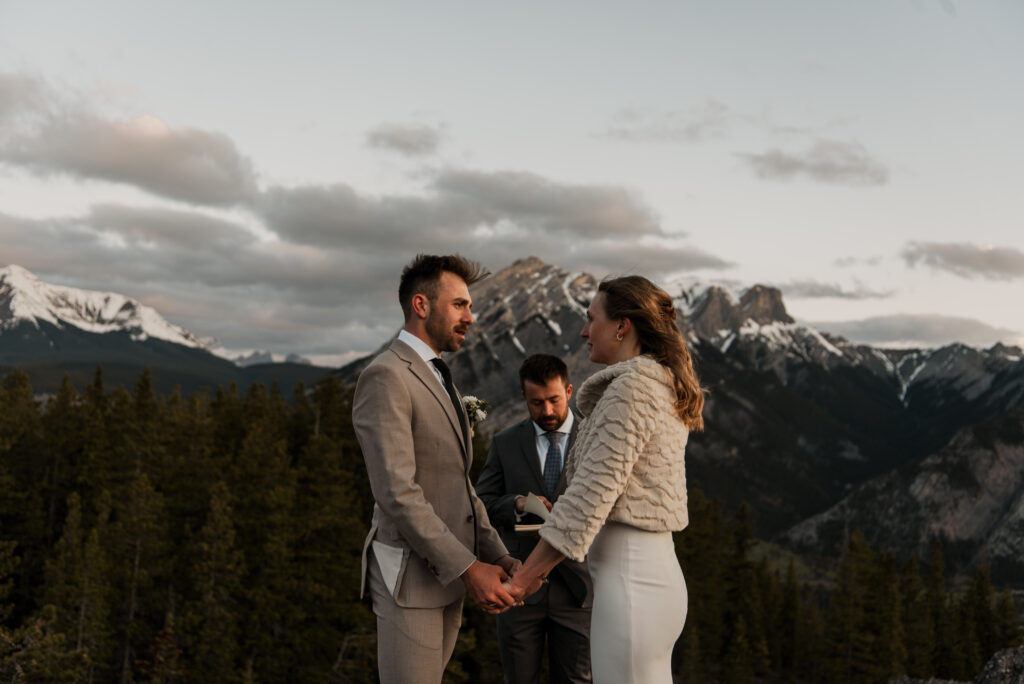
(512, 469)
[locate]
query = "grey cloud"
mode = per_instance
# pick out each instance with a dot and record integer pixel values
(325, 283)
(826, 161)
(494, 217)
(19, 94)
(813, 289)
(542, 204)
(967, 260)
(413, 140)
(160, 227)
(55, 135)
(656, 261)
(846, 262)
(697, 124)
(919, 330)
(500, 203)
(259, 295)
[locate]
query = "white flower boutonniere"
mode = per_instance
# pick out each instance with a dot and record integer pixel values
(476, 410)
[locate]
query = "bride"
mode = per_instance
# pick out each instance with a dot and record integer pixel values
(627, 483)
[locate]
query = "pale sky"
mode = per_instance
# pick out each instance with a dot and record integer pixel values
(259, 172)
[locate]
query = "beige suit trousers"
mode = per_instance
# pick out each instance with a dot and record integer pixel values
(414, 645)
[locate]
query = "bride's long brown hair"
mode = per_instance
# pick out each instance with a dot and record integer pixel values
(652, 314)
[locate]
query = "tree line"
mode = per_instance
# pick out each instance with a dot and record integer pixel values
(217, 538)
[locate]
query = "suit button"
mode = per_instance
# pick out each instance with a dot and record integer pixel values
(469, 518)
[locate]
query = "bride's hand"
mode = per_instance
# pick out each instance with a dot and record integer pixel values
(519, 592)
(516, 591)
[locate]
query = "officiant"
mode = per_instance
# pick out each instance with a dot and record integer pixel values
(529, 458)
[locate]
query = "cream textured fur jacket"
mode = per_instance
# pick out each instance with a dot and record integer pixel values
(627, 462)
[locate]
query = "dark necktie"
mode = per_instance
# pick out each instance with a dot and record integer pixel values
(449, 386)
(552, 463)
(446, 373)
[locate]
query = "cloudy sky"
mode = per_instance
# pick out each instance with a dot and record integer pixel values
(260, 171)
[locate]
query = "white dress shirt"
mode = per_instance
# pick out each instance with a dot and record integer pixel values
(542, 442)
(424, 350)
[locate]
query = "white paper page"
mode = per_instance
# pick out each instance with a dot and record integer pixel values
(536, 506)
(389, 558)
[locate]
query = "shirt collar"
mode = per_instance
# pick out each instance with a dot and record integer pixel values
(418, 346)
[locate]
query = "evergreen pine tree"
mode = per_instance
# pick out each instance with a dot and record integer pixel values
(849, 642)
(738, 667)
(1008, 632)
(887, 619)
(139, 542)
(790, 627)
(63, 422)
(211, 619)
(918, 626)
(745, 591)
(980, 606)
(23, 512)
(702, 549)
(941, 614)
(8, 562)
(165, 667)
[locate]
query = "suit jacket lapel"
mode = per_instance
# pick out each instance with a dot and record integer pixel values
(562, 482)
(528, 445)
(420, 369)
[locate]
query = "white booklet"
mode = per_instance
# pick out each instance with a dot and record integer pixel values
(536, 506)
(389, 558)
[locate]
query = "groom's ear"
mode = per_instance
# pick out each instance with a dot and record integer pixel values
(420, 306)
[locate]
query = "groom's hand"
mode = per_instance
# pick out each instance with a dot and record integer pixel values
(483, 584)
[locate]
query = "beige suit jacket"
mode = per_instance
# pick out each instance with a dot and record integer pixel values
(418, 465)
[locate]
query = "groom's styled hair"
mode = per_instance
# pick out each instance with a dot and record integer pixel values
(423, 275)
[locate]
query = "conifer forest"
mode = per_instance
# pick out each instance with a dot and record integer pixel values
(217, 537)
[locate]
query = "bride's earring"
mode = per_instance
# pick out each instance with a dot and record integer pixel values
(618, 336)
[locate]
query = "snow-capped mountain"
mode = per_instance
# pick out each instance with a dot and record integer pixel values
(26, 299)
(796, 418)
(51, 331)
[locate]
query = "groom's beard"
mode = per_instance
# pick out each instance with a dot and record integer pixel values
(445, 337)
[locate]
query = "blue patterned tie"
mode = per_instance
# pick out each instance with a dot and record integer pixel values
(552, 463)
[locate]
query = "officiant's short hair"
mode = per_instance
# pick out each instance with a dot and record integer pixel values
(541, 368)
(422, 275)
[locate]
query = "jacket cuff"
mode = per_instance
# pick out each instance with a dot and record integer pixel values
(561, 543)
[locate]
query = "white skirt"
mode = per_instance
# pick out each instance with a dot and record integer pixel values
(639, 605)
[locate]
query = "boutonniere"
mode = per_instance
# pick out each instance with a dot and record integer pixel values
(476, 410)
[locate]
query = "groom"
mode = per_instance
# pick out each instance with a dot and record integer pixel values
(429, 531)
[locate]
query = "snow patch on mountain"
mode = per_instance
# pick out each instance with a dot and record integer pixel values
(25, 298)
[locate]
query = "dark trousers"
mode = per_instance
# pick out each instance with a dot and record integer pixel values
(557, 621)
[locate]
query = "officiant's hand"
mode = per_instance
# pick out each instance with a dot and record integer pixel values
(509, 564)
(521, 503)
(484, 585)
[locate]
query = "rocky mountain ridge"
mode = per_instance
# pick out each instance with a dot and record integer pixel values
(797, 419)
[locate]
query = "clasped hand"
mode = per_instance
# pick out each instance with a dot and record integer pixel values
(487, 584)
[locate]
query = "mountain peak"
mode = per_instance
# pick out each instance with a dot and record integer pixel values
(764, 305)
(24, 298)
